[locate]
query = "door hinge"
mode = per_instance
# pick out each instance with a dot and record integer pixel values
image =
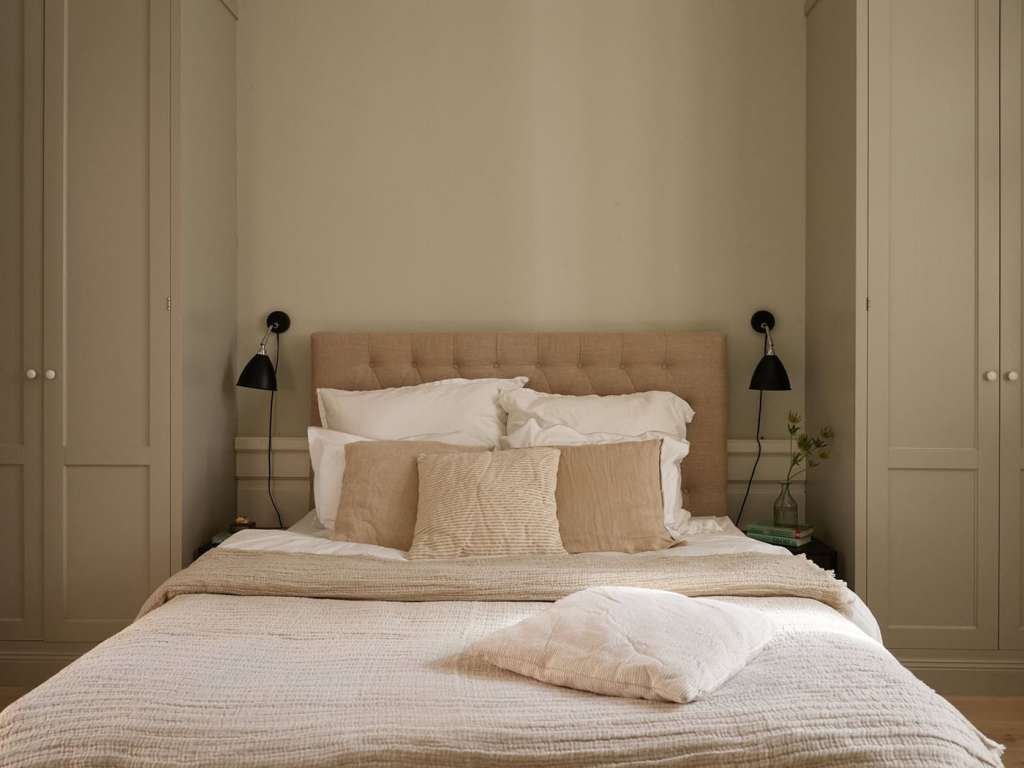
(168, 303)
(867, 303)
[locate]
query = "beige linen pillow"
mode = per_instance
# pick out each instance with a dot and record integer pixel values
(381, 491)
(487, 504)
(633, 642)
(327, 459)
(673, 451)
(609, 498)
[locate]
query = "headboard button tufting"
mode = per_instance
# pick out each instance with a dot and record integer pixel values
(697, 371)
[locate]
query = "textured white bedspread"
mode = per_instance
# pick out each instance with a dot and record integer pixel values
(284, 681)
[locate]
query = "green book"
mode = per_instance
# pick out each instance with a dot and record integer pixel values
(769, 528)
(785, 541)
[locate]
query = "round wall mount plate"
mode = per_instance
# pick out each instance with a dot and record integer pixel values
(761, 318)
(280, 319)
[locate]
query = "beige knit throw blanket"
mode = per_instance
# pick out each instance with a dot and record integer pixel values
(546, 578)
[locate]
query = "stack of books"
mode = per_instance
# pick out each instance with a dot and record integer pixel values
(785, 535)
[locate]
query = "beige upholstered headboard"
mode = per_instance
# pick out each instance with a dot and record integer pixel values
(690, 364)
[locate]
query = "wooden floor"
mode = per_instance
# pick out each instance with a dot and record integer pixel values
(998, 717)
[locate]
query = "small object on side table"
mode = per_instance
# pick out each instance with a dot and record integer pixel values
(797, 539)
(241, 523)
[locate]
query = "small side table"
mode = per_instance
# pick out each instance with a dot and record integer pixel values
(821, 554)
(215, 541)
(219, 538)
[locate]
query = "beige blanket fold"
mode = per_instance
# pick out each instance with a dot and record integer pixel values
(533, 578)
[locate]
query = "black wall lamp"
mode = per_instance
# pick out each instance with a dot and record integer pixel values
(769, 376)
(260, 373)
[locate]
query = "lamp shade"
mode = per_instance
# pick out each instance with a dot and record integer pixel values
(770, 374)
(259, 373)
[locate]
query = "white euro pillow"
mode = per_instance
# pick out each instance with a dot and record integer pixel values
(673, 451)
(631, 642)
(632, 414)
(468, 406)
(327, 457)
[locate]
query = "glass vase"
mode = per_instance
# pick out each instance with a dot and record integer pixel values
(785, 510)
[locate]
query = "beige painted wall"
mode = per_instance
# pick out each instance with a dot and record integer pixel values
(831, 273)
(209, 275)
(521, 164)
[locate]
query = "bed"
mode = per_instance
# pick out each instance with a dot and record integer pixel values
(286, 648)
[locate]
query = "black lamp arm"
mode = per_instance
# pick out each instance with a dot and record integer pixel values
(272, 327)
(769, 348)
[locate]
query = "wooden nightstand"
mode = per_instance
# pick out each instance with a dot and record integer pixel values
(215, 541)
(819, 553)
(219, 538)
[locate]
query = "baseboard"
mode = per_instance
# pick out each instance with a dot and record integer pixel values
(969, 677)
(28, 668)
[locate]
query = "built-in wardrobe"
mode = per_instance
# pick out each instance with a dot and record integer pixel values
(914, 314)
(117, 299)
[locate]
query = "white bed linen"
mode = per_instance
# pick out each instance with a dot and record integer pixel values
(307, 536)
(271, 682)
(265, 681)
(705, 536)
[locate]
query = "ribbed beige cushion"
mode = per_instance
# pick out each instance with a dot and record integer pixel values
(487, 504)
(609, 498)
(381, 491)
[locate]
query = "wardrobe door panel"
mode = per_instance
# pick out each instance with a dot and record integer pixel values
(1011, 588)
(933, 325)
(21, 94)
(108, 329)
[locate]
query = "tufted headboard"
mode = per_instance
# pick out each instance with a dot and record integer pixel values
(690, 364)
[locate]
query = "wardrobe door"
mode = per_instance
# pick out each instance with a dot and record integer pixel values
(1011, 587)
(933, 322)
(21, 416)
(107, 399)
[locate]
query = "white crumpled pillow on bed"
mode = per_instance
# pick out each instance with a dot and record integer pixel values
(466, 406)
(631, 642)
(632, 414)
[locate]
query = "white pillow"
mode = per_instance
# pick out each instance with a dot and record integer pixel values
(634, 414)
(632, 642)
(673, 451)
(327, 456)
(469, 406)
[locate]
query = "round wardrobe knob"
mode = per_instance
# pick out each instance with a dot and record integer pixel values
(991, 375)
(31, 373)
(1012, 375)
(50, 374)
